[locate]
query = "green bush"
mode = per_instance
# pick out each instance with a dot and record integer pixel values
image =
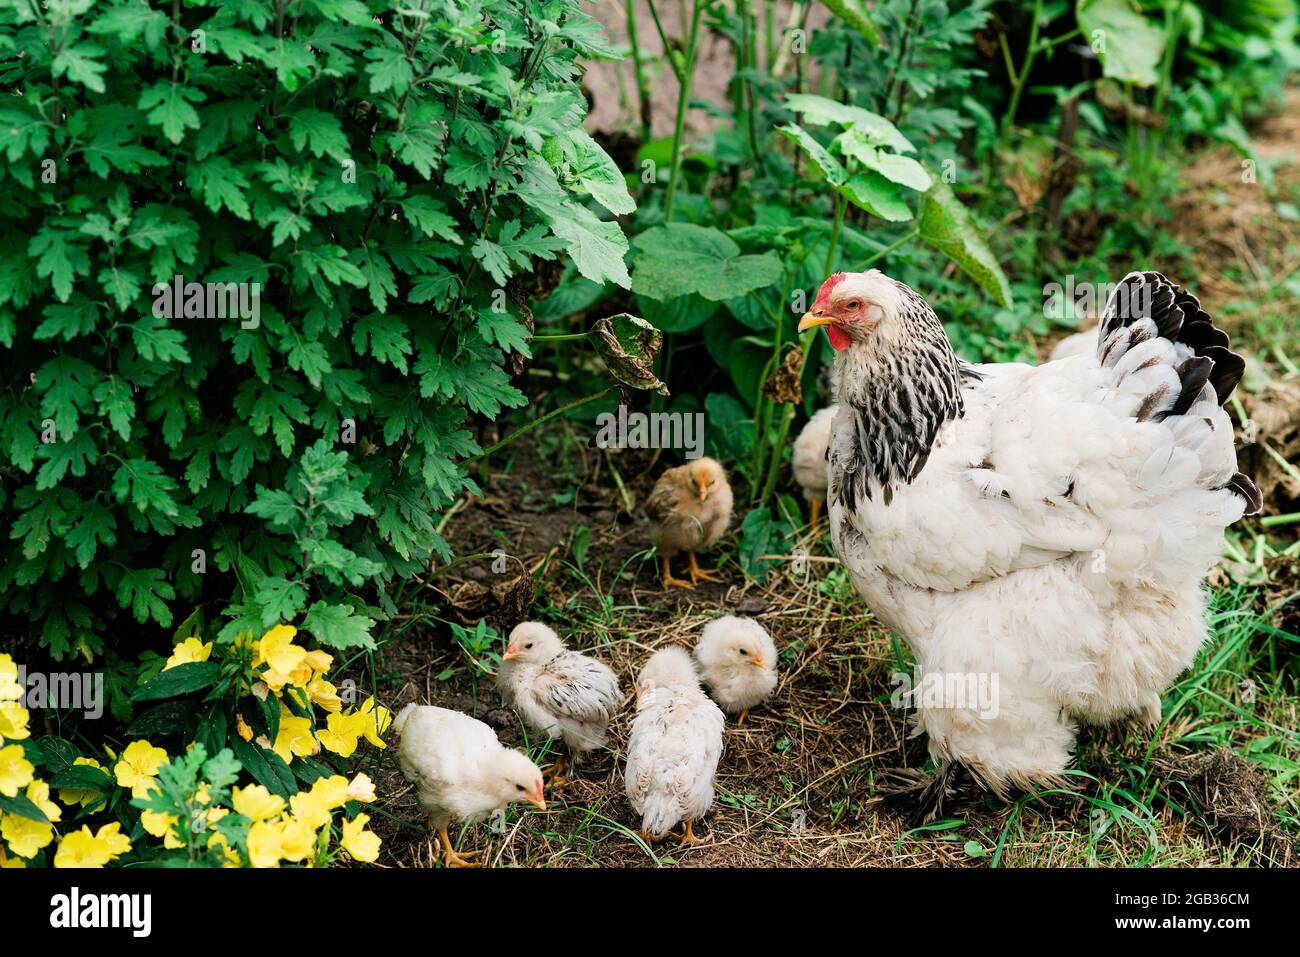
(382, 171)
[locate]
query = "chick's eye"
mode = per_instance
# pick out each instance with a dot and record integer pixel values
(742, 652)
(527, 646)
(520, 787)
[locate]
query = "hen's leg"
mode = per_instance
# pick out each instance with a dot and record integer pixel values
(699, 574)
(450, 858)
(670, 581)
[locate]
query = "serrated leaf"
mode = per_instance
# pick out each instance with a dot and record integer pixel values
(944, 224)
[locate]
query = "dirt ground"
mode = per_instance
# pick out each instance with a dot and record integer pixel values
(795, 783)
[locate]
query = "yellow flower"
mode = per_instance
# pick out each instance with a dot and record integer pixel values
(361, 788)
(81, 796)
(319, 661)
(278, 650)
(6, 861)
(341, 733)
(256, 803)
(188, 651)
(15, 770)
(324, 695)
(139, 766)
(38, 792)
(242, 727)
(264, 844)
(297, 840)
(363, 845)
(10, 689)
(84, 849)
(13, 721)
(117, 842)
(379, 720)
(313, 807)
(25, 836)
(294, 737)
(161, 825)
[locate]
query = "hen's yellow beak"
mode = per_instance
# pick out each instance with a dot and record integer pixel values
(809, 321)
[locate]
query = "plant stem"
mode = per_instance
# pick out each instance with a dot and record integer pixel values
(638, 69)
(1018, 87)
(887, 250)
(683, 96)
(534, 424)
(559, 337)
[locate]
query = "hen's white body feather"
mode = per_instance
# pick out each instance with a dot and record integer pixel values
(1051, 540)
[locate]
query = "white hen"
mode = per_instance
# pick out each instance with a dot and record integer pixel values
(673, 751)
(560, 693)
(737, 659)
(460, 770)
(808, 459)
(1041, 529)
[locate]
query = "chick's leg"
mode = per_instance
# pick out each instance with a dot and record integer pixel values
(670, 581)
(744, 713)
(699, 574)
(450, 858)
(816, 512)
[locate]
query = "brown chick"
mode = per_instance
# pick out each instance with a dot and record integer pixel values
(690, 507)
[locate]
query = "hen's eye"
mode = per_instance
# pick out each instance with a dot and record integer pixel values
(855, 304)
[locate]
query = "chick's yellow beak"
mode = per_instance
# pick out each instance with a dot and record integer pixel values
(809, 321)
(757, 660)
(511, 654)
(537, 800)
(704, 490)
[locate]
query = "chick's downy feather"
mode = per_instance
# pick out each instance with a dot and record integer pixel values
(459, 769)
(690, 507)
(808, 455)
(1043, 530)
(675, 744)
(559, 692)
(737, 659)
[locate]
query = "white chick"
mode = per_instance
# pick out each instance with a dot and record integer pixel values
(460, 771)
(737, 659)
(808, 459)
(560, 693)
(673, 751)
(691, 507)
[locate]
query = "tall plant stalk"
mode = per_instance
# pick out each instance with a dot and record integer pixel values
(684, 77)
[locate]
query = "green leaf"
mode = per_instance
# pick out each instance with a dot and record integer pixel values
(221, 185)
(320, 132)
(181, 679)
(58, 260)
(835, 173)
(338, 626)
(147, 593)
(168, 107)
(389, 70)
(79, 63)
(681, 258)
(598, 173)
(430, 217)
(857, 15)
(1129, 45)
(872, 127)
(870, 191)
(945, 225)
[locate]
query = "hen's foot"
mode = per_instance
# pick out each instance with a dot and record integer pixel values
(699, 574)
(452, 859)
(690, 839)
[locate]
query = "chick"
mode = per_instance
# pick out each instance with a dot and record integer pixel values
(691, 507)
(808, 459)
(737, 659)
(673, 751)
(560, 693)
(460, 770)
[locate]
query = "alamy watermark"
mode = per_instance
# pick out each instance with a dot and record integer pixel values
(651, 430)
(1081, 300)
(941, 690)
(79, 690)
(179, 299)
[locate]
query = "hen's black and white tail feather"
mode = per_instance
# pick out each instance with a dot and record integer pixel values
(1168, 356)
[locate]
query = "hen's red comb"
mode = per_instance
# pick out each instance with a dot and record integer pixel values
(823, 299)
